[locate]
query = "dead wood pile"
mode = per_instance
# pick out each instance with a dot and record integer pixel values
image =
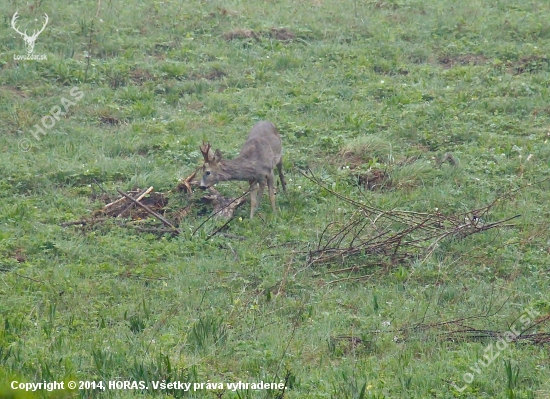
(390, 237)
(138, 205)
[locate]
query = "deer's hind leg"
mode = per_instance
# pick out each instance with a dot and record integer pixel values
(281, 177)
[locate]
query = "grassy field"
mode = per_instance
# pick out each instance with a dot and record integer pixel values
(359, 90)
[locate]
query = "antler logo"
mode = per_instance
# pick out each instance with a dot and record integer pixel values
(29, 40)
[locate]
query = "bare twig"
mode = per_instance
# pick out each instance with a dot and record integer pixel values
(218, 211)
(149, 210)
(218, 230)
(139, 198)
(116, 202)
(101, 188)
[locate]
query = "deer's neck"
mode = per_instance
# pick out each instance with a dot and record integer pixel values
(237, 169)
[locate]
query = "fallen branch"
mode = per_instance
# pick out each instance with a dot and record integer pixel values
(240, 198)
(100, 187)
(218, 230)
(118, 201)
(139, 198)
(223, 206)
(150, 211)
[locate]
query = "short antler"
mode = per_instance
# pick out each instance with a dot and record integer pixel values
(207, 152)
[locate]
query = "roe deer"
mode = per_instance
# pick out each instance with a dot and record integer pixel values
(261, 152)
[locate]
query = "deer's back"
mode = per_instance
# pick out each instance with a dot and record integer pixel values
(263, 145)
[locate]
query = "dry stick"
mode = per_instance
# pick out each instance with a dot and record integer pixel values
(149, 210)
(218, 211)
(325, 249)
(139, 198)
(122, 199)
(98, 7)
(101, 188)
(218, 230)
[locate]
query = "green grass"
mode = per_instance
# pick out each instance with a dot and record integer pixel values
(363, 86)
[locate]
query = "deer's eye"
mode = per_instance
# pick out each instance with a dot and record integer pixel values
(207, 173)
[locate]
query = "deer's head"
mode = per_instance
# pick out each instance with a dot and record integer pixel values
(29, 40)
(211, 166)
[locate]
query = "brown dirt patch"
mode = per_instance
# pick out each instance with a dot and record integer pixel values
(195, 105)
(467, 59)
(529, 64)
(140, 76)
(224, 12)
(155, 201)
(20, 256)
(107, 116)
(282, 34)
(354, 160)
(386, 5)
(375, 179)
(109, 120)
(392, 72)
(215, 74)
(240, 34)
(15, 90)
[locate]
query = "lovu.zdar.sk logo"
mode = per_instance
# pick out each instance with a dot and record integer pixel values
(29, 40)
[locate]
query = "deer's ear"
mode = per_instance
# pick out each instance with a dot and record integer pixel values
(217, 156)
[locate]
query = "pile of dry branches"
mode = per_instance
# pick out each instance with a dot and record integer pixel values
(459, 329)
(138, 205)
(393, 236)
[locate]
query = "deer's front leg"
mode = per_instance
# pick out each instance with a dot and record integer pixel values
(253, 193)
(261, 183)
(270, 186)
